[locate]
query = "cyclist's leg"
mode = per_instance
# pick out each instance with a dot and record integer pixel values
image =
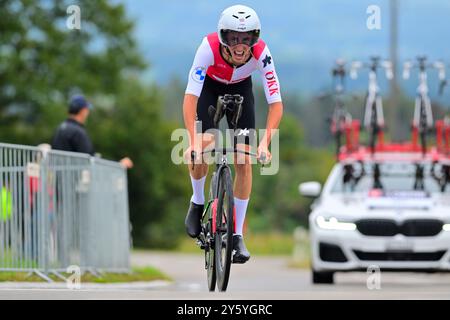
(199, 171)
(205, 138)
(242, 186)
(244, 138)
(197, 201)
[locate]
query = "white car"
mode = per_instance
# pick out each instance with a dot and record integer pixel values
(393, 215)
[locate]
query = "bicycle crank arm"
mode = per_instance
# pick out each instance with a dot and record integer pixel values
(201, 244)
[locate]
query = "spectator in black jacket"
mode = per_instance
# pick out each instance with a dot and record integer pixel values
(71, 135)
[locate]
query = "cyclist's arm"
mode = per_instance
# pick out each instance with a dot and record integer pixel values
(273, 121)
(272, 91)
(189, 113)
(204, 57)
(266, 67)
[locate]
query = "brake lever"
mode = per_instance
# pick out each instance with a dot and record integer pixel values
(262, 159)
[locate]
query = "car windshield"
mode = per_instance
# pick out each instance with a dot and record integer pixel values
(388, 177)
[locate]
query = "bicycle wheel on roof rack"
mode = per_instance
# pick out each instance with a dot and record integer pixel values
(373, 128)
(423, 127)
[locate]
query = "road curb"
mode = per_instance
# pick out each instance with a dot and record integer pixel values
(149, 285)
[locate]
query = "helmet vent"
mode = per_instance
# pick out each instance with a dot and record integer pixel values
(235, 16)
(241, 12)
(248, 16)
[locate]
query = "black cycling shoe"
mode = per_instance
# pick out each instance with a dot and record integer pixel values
(241, 254)
(193, 217)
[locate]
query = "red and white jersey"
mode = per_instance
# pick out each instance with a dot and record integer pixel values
(209, 61)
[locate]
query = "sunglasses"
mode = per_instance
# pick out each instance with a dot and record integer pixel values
(232, 38)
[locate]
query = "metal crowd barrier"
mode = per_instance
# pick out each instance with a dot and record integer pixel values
(60, 209)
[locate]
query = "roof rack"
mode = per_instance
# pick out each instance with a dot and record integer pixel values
(410, 151)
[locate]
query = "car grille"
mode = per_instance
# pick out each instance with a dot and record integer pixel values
(409, 228)
(399, 256)
(421, 228)
(377, 227)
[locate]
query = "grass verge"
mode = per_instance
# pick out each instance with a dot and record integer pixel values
(137, 274)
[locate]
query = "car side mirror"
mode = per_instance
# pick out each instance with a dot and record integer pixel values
(310, 189)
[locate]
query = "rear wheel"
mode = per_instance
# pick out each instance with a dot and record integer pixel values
(223, 240)
(322, 277)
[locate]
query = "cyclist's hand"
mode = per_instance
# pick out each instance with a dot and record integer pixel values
(263, 151)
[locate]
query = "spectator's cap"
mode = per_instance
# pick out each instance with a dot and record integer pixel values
(77, 103)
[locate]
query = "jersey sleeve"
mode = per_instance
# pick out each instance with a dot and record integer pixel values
(204, 57)
(271, 84)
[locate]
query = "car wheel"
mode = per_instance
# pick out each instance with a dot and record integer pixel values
(322, 277)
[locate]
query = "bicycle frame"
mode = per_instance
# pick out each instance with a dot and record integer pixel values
(340, 115)
(422, 97)
(223, 163)
(374, 101)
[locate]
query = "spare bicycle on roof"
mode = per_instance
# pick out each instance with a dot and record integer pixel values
(373, 112)
(341, 119)
(422, 123)
(418, 151)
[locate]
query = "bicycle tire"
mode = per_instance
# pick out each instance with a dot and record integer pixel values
(210, 260)
(423, 127)
(337, 136)
(223, 238)
(374, 128)
(209, 236)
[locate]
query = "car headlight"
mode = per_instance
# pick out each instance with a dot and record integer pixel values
(334, 224)
(446, 227)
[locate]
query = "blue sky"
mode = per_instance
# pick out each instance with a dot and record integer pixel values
(305, 37)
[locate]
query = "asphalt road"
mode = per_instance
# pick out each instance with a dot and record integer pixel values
(261, 278)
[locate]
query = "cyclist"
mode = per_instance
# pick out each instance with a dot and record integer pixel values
(222, 65)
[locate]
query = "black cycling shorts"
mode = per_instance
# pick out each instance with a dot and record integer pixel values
(212, 89)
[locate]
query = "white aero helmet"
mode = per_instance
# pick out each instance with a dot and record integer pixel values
(239, 24)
